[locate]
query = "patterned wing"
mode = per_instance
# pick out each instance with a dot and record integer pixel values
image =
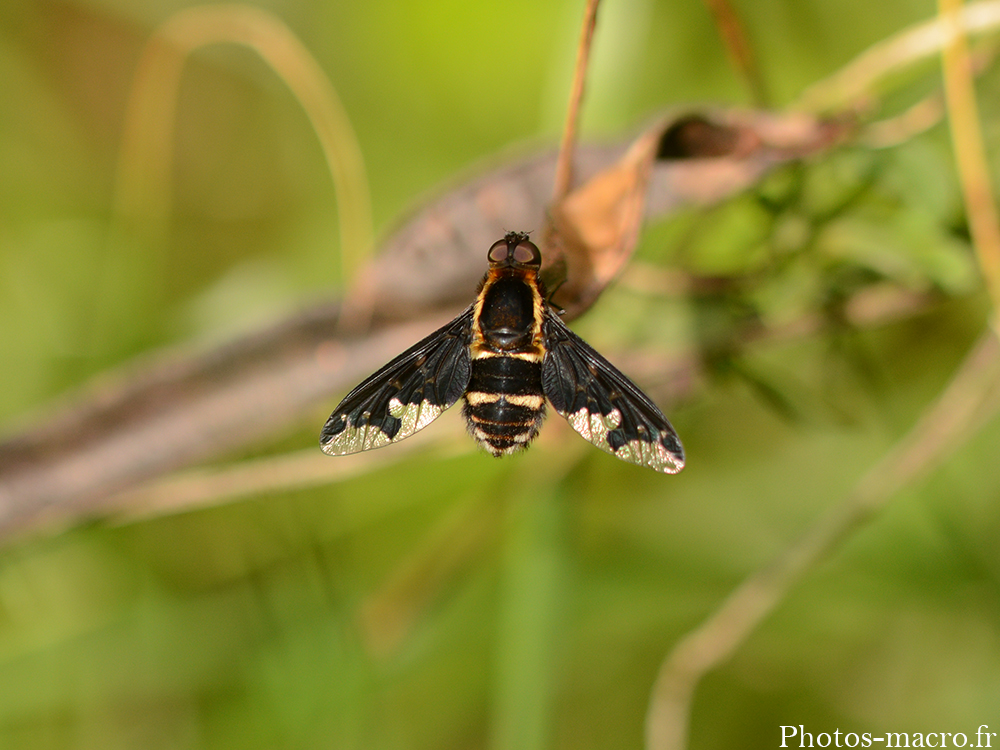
(603, 405)
(404, 396)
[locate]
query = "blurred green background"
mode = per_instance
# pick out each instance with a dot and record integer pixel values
(458, 601)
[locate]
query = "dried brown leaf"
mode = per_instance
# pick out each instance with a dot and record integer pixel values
(701, 159)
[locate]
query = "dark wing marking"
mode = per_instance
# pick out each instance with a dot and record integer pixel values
(603, 405)
(404, 396)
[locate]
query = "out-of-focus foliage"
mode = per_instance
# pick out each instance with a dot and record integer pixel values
(463, 602)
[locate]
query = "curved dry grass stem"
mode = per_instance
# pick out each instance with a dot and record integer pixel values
(142, 192)
(969, 400)
(900, 128)
(970, 153)
(217, 485)
(564, 163)
(855, 82)
(922, 116)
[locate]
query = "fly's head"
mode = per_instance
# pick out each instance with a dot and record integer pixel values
(515, 250)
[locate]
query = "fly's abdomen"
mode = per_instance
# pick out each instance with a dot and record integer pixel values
(504, 405)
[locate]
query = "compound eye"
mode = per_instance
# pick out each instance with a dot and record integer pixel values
(526, 253)
(498, 253)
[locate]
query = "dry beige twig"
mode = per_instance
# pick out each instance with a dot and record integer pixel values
(967, 142)
(854, 83)
(969, 400)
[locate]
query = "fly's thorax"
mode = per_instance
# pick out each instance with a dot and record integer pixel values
(508, 315)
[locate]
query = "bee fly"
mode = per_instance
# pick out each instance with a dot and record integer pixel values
(506, 354)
